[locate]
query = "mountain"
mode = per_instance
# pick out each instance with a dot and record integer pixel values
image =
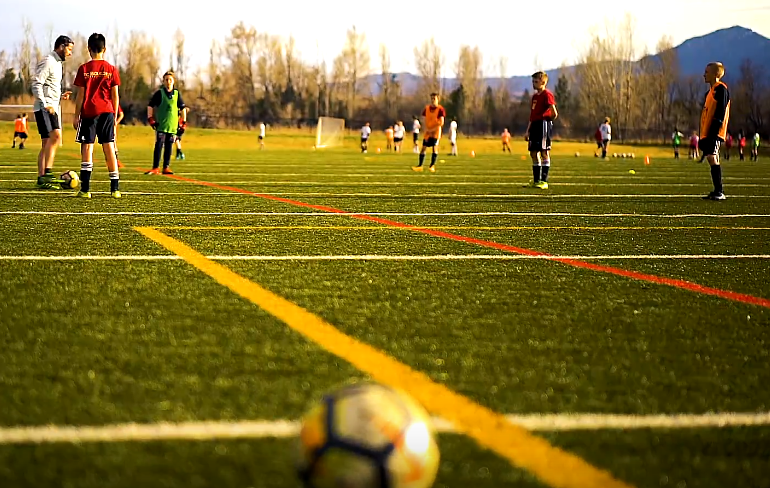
(730, 46)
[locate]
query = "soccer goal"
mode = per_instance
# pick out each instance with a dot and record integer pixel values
(330, 132)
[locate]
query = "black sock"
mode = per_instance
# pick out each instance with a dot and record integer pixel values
(168, 143)
(156, 153)
(716, 178)
(544, 172)
(85, 176)
(535, 173)
(422, 158)
(48, 171)
(433, 159)
(177, 151)
(114, 181)
(40, 180)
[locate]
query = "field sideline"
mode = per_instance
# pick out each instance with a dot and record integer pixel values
(612, 331)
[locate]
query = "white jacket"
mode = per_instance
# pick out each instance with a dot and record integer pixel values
(46, 84)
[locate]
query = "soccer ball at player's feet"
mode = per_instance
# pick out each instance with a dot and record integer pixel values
(69, 180)
(367, 435)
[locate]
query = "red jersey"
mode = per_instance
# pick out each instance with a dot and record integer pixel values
(97, 77)
(598, 135)
(540, 106)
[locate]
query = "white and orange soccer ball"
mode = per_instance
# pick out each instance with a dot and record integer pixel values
(367, 435)
(473, 154)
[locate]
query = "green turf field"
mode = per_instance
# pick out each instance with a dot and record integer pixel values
(453, 274)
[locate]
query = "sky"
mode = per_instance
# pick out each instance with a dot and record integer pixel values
(529, 37)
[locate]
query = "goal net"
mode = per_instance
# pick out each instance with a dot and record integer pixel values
(330, 132)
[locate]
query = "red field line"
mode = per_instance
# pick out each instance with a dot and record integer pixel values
(660, 280)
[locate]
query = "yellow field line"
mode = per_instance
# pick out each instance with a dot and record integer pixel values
(552, 465)
(444, 227)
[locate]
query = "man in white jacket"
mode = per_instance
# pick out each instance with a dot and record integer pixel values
(46, 88)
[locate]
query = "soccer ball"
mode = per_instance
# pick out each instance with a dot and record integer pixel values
(631, 156)
(577, 154)
(367, 435)
(614, 155)
(624, 155)
(473, 154)
(69, 180)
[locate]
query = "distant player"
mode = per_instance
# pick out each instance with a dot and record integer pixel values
(96, 109)
(606, 130)
(46, 88)
(539, 130)
(20, 131)
(694, 139)
(453, 137)
(415, 134)
(506, 139)
(713, 124)
(434, 115)
(676, 141)
(398, 135)
(741, 145)
(755, 147)
(163, 115)
(366, 132)
(181, 127)
(728, 146)
(389, 135)
(261, 136)
(599, 145)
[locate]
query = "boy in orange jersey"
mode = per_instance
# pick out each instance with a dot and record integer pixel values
(389, 138)
(434, 115)
(506, 138)
(20, 131)
(713, 124)
(539, 130)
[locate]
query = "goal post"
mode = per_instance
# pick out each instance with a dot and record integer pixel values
(330, 132)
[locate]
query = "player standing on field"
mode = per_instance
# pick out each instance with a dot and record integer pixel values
(46, 88)
(453, 137)
(182, 125)
(606, 130)
(20, 131)
(398, 135)
(755, 147)
(713, 124)
(434, 120)
(366, 131)
(415, 134)
(163, 115)
(539, 130)
(261, 136)
(96, 109)
(389, 136)
(676, 141)
(728, 146)
(506, 138)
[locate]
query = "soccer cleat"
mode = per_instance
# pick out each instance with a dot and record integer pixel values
(153, 171)
(167, 171)
(543, 185)
(181, 156)
(432, 169)
(83, 194)
(47, 185)
(116, 194)
(417, 169)
(715, 196)
(177, 157)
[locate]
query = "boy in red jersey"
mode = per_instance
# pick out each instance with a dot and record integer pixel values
(539, 130)
(434, 120)
(95, 113)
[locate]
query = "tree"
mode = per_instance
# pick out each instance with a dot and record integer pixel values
(489, 109)
(429, 61)
(563, 98)
(351, 64)
(748, 95)
(469, 75)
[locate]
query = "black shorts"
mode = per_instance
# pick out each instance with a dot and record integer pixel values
(430, 142)
(260, 137)
(179, 133)
(398, 139)
(22, 135)
(599, 144)
(709, 146)
(540, 132)
(364, 140)
(415, 136)
(46, 123)
(102, 127)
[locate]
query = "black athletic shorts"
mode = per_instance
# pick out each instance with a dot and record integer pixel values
(102, 127)
(22, 135)
(430, 142)
(398, 139)
(260, 138)
(415, 136)
(709, 146)
(540, 132)
(46, 123)
(364, 140)
(179, 132)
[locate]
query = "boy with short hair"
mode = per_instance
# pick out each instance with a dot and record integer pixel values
(506, 138)
(539, 130)
(163, 116)
(434, 121)
(366, 131)
(713, 124)
(398, 135)
(20, 131)
(96, 109)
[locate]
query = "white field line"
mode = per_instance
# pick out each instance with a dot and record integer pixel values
(386, 257)
(66, 194)
(259, 429)
(397, 214)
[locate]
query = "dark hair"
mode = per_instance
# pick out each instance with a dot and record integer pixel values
(18, 116)
(96, 43)
(62, 41)
(23, 115)
(169, 73)
(434, 94)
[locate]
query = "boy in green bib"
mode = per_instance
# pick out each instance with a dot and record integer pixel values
(163, 115)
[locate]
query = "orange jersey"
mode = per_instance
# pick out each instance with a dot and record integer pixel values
(506, 137)
(20, 125)
(389, 133)
(716, 110)
(433, 120)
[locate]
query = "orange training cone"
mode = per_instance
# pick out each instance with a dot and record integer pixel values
(647, 160)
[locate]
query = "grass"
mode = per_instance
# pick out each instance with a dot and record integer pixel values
(112, 341)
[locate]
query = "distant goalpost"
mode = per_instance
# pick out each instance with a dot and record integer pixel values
(330, 132)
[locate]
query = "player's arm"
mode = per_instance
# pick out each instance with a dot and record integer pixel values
(115, 96)
(526, 132)
(119, 117)
(79, 100)
(722, 98)
(154, 102)
(41, 74)
(553, 113)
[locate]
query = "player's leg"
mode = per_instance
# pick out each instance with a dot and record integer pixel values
(168, 145)
(179, 152)
(534, 145)
(86, 136)
(605, 147)
(421, 157)
(711, 151)
(13, 146)
(156, 153)
(105, 130)
(23, 140)
(433, 155)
